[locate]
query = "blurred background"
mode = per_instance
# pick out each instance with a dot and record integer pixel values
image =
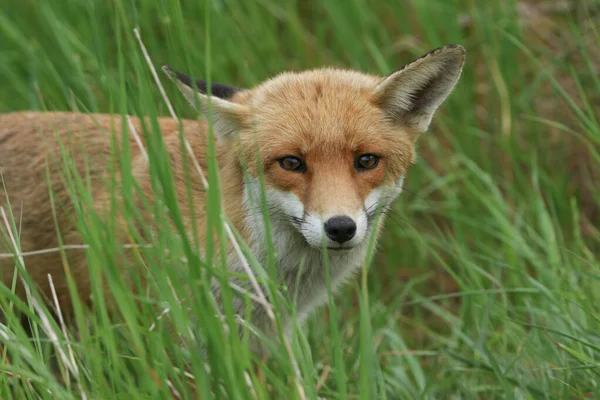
(487, 282)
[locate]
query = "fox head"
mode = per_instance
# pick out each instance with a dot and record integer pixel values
(333, 145)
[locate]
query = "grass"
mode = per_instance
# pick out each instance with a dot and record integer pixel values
(487, 282)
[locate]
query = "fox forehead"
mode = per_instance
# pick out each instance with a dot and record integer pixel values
(325, 114)
(328, 104)
(317, 82)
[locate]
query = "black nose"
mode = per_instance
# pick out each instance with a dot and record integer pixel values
(340, 229)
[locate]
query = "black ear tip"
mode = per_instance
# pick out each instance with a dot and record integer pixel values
(186, 80)
(218, 89)
(457, 49)
(455, 46)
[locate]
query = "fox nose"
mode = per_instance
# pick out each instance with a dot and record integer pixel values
(340, 229)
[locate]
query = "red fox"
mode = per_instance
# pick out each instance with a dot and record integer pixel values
(334, 148)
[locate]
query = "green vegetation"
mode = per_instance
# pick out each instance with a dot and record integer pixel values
(487, 281)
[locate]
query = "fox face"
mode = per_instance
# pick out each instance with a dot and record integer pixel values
(330, 156)
(332, 145)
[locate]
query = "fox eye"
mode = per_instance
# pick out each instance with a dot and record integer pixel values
(366, 161)
(291, 163)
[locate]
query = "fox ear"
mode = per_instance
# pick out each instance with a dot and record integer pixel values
(227, 116)
(412, 94)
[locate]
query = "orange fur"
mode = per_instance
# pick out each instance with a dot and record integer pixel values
(30, 141)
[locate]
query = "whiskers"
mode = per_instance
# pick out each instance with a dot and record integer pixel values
(296, 221)
(386, 210)
(258, 210)
(276, 214)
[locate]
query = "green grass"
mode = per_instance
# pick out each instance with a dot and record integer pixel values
(487, 281)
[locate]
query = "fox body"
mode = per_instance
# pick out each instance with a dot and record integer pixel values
(332, 145)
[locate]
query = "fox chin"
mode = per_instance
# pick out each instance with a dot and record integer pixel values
(329, 147)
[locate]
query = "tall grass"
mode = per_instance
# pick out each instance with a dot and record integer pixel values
(487, 280)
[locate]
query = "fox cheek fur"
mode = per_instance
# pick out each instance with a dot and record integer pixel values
(333, 147)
